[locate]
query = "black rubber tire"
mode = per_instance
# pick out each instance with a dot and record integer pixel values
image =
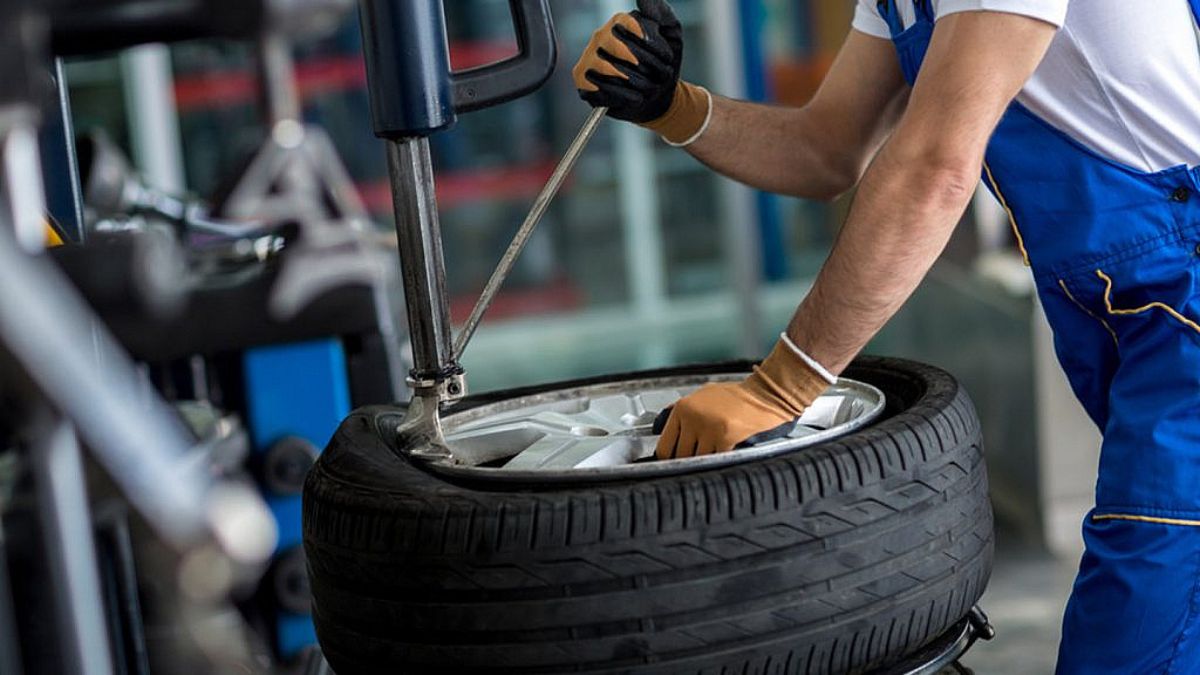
(842, 558)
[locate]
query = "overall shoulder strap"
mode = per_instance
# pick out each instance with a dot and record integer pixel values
(890, 11)
(925, 11)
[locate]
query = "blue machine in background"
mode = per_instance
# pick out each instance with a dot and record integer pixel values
(296, 395)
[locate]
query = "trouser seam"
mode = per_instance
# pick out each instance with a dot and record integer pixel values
(1126, 252)
(1071, 296)
(1152, 511)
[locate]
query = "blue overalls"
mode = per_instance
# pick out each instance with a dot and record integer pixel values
(1115, 254)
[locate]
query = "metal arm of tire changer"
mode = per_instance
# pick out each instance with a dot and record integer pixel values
(413, 95)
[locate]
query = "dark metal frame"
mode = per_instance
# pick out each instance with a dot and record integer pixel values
(945, 651)
(68, 384)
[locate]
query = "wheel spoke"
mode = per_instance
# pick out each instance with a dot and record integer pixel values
(573, 453)
(606, 427)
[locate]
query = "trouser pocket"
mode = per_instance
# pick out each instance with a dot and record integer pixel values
(1128, 335)
(1132, 296)
(1150, 307)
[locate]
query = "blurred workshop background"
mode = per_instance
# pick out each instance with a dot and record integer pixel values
(629, 273)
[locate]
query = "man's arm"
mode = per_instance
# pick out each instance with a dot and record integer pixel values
(919, 185)
(820, 150)
(631, 66)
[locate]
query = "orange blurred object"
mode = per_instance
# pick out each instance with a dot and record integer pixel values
(795, 81)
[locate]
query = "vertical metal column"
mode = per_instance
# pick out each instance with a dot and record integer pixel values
(277, 73)
(153, 122)
(71, 550)
(408, 71)
(423, 269)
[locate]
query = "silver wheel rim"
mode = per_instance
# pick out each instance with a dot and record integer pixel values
(604, 432)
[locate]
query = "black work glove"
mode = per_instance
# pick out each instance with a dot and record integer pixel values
(631, 66)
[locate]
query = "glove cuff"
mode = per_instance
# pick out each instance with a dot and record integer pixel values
(812, 363)
(791, 377)
(688, 117)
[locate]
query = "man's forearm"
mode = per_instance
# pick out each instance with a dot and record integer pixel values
(820, 150)
(772, 148)
(902, 218)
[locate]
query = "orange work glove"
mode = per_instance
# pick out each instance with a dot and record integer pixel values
(720, 416)
(631, 66)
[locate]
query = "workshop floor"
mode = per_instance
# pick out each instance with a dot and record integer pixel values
(1025, 601)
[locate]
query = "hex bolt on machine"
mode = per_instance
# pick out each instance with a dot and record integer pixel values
(530, 531)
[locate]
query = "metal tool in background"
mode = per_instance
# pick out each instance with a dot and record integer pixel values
(87, 27)
(297, 178)
(115, 196)
(165, 277)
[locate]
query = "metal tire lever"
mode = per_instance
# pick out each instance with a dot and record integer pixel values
(526, 230)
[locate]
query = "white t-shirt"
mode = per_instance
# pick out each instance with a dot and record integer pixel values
(1122, 77)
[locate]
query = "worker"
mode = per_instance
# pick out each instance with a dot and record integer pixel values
(1083, 121)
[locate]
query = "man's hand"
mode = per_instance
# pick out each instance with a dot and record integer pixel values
(631, 66)
(721, 416)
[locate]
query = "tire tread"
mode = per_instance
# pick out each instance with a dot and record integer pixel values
(426, 573)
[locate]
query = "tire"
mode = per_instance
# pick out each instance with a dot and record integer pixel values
(842, 558)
